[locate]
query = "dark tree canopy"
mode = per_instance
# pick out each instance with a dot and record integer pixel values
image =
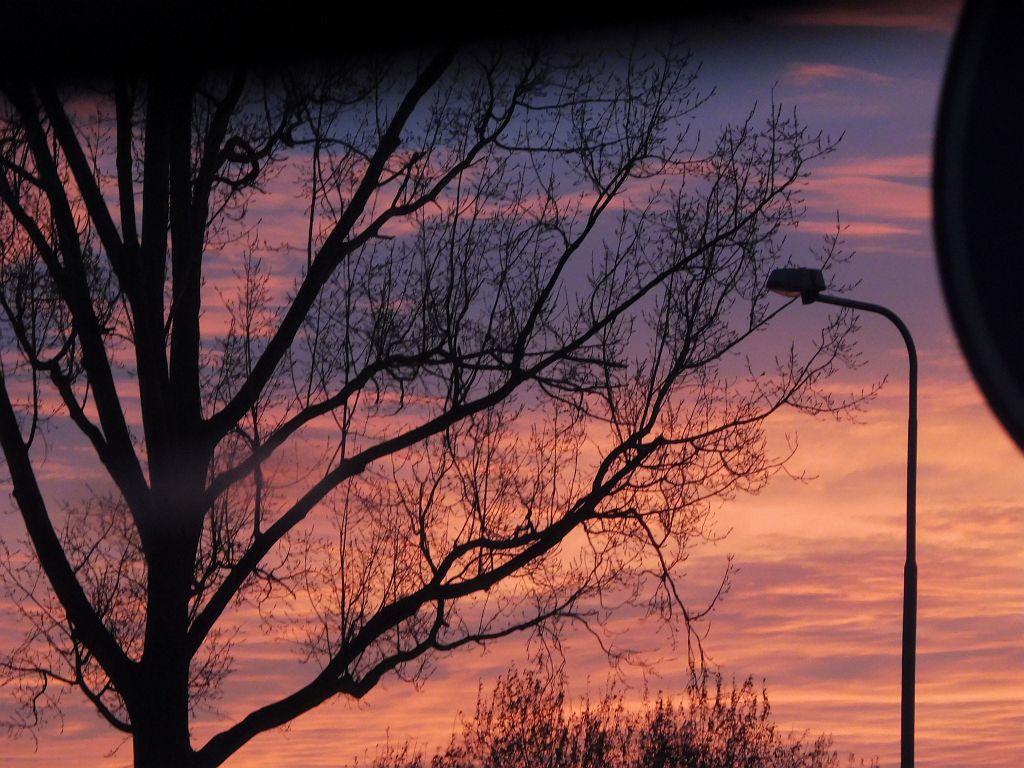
(403, 353)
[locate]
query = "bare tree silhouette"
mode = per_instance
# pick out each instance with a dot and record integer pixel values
(491, 376)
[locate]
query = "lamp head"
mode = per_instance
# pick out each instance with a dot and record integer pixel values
(797, 281)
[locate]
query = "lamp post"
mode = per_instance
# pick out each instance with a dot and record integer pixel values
(808, 284)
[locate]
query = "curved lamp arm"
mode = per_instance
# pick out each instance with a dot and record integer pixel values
(808, 284)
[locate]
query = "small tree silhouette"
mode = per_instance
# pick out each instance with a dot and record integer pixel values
(526, 722)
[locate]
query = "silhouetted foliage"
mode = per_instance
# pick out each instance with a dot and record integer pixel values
(526, 722)
(393, 356)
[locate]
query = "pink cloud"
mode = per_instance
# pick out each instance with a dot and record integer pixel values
(805, 73)
(917, 166)
(926, 17)
(858, 228)
(878, 196)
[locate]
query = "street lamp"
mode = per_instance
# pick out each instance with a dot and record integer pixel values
(808, 284)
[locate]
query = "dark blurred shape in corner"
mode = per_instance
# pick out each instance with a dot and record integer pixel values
(979, 200)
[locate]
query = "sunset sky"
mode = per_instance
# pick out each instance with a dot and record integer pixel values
(814, 608)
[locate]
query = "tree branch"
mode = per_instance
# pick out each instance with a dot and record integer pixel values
(85, 179)
(330, 255)
(73, 284)
(80, 612)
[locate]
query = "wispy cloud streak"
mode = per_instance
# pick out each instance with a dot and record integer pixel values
(808, 73)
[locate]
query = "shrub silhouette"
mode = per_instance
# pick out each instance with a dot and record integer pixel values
(525, 723)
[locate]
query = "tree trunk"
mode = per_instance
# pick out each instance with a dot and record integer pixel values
(160, 711)
(161, 738)
(159, 714)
